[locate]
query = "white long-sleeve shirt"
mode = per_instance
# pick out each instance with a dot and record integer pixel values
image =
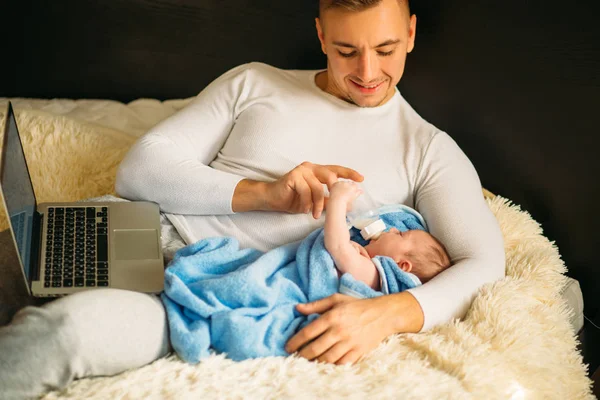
(259, 122)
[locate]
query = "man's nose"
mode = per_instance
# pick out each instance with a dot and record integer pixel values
(367, 67)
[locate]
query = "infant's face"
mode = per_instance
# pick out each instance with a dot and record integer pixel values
(396, 244)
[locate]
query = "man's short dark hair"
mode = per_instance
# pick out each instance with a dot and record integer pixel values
(353, 5)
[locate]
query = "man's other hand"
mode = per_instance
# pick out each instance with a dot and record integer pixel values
(349, 328)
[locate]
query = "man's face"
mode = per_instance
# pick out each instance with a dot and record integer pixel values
(366, 51)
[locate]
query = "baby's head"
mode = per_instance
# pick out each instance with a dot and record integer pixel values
(414, 251)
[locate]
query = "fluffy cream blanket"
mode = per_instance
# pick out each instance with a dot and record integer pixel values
(514, 343)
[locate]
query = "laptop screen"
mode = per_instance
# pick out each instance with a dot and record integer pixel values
(17, 190)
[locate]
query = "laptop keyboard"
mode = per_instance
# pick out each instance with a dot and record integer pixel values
(76, 247)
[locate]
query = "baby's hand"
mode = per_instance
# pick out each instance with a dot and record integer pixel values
(344, 191)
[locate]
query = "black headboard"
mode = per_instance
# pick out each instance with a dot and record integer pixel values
(516, 83)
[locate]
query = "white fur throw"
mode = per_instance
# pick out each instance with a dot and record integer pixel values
(514, 343)
(68, 160)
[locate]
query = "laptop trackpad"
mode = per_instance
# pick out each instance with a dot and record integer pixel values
(136, 244)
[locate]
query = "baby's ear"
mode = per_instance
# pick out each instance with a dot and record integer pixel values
(405, 265)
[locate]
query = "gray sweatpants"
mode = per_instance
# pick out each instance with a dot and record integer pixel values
(92, 333)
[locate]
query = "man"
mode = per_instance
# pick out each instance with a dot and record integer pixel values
(249, 156)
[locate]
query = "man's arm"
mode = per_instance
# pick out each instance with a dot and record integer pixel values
(448, 195)
(169, 164)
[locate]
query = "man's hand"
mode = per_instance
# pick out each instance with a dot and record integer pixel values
(301, 189)
(349, 327)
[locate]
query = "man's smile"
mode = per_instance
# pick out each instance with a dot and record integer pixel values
(367, 89)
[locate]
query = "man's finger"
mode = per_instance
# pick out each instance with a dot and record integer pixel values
(347, 173)
(329, 174)
(325, 175)
(320, 346)
(306, 334)
(318, 306)
(317, 192)
(335, 352)
(304, 192)
(350, 357)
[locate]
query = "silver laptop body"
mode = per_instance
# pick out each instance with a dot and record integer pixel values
(64, 248)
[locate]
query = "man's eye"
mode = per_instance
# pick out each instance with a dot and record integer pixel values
(352, 54)
(347, 55)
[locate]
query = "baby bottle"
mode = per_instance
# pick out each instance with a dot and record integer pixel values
(365, 217)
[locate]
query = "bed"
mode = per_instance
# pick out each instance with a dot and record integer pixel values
(518, 339)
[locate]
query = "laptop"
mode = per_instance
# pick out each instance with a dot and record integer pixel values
(65, 248)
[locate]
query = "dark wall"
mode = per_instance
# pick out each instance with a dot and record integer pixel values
(126, 49)
(516, 82)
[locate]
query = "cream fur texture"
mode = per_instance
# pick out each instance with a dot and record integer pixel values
(68, 160)
(514, 343)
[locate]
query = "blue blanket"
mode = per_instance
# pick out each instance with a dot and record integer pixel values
(242, 301)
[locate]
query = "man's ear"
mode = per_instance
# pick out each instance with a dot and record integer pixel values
(405, 265)
(412, 33)
(320, 34)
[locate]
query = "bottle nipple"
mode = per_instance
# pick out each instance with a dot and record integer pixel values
(373, 230)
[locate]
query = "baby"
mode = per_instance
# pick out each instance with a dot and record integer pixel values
(242, 301)
(415, 251)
